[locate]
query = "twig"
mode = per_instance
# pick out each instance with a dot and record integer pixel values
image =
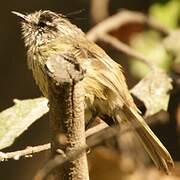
(92, 141)
(102, 30)
(95, 137)
(29, 151)
(122, 18)
(96, 129)
(25, 152)
(126, 49)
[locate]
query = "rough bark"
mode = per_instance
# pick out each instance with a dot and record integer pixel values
(66, 102)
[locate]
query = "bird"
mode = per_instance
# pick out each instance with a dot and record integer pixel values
(48, 35)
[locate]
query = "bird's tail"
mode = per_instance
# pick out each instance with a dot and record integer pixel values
(151, 143)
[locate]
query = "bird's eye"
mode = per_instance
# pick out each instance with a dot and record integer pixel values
(46, 20)
(46, 17)
(42, 24)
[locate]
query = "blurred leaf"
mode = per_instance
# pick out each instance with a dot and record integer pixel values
(149, 43)
(172, 42)
(16, 119)
(166, 13)
(172, 45)
(153, 91)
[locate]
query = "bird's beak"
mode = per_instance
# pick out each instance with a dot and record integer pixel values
(22, 16)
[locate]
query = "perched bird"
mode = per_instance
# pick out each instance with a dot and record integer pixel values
(47, 34)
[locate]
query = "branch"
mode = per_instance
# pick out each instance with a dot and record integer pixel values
(30, 150)
(122, 18)
(102, 30)
(92, 141)
(126, 49)
(66, 115)
(95, 137)
(25, 152)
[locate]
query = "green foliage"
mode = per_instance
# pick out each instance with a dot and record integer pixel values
(149, 43)
(166, 13)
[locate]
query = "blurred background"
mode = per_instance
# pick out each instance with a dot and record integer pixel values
(17, 82)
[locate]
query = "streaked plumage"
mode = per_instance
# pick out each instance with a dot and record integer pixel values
(48, 34)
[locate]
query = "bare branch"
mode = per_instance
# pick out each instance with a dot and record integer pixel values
(16, 155)
(66, 115)
(96, 129)
(92, 141)
(30, 150)
(102, 30)
(126, 49)
(95, 137)
(124, 17)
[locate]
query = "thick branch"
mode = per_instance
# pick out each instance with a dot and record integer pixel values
(66, 99)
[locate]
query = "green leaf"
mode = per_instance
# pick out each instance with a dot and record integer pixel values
(16, 119)
(172, 44)
(166, 13)
(149, 43)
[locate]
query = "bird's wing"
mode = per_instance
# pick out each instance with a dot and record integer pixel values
(101, 68)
